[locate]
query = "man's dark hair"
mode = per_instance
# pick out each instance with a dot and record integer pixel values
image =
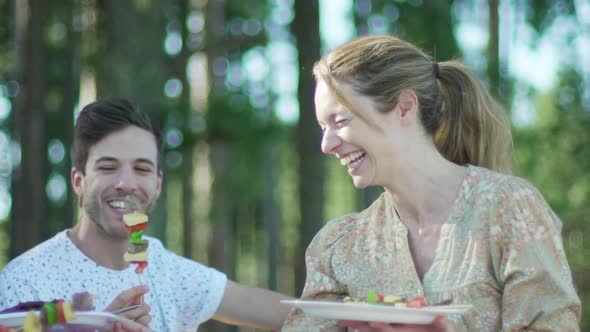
(104, 117)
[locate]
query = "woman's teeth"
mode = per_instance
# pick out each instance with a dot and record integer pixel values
(353, 159)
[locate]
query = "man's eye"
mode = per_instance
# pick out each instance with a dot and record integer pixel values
(106, 168)
(143, 169)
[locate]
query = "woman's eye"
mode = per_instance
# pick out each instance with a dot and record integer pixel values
(341, 122)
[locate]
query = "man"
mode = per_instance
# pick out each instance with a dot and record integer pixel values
(116, 156)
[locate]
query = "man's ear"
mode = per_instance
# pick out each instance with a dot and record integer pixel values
(77, 179)
(408, 107)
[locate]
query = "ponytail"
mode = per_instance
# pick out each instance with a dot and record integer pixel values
(474, 128)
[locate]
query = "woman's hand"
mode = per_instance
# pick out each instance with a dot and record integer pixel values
(440, 324)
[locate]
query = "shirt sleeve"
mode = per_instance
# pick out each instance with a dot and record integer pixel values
(320, 284)
(198, 289)
(538, 292)
(14, 290)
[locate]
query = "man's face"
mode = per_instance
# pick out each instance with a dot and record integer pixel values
(122, 164)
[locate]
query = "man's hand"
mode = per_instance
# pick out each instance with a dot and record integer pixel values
(127, 325)
(440, 324)
(132, 296)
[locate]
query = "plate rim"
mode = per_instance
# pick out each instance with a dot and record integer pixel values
(79, 315)
(430, 311)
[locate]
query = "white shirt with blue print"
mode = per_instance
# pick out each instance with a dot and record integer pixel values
(182, 295)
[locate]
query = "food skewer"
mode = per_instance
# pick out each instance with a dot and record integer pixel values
(136, 223)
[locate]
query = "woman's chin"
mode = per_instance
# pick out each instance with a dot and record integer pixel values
(359, 182)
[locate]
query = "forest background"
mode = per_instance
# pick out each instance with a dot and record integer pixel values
(229, 82)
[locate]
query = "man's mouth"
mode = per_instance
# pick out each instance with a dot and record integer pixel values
(117, 204)
(129, 203)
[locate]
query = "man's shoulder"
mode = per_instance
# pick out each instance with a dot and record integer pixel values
(36, 257)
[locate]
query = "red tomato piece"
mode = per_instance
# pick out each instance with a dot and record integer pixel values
(138, 227)
(140, 267)
(61, 316)
(417, 302)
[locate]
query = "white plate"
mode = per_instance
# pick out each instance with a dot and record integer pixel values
(375, 312)
(97, 319)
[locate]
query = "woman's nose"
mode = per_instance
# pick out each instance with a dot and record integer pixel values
(330, 142)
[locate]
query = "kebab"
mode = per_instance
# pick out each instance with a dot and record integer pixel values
(136, 223)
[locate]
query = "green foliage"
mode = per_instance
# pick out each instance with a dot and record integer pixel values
(543, 12)
(248, 131)
(7, 17)
(554, 154)
(247, 9)
(230, 117)
(428, 25)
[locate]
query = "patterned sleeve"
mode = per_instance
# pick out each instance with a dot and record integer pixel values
(189, 293)
(320, 283)
(199, 289)
(14, 290)
(531, 263)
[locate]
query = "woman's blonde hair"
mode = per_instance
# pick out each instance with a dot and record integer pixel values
(466, 124)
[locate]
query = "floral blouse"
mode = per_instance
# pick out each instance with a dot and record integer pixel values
(500, 250)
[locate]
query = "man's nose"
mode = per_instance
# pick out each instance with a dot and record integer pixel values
(126, 180)
(330, 142)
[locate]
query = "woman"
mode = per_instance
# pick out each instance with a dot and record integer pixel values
(451, 224)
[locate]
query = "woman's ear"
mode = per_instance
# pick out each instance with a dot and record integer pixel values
(408, 107)
(407, 102)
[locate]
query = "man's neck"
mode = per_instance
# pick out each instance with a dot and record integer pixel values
(104, 250)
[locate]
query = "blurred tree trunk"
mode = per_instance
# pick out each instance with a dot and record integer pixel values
(222, 248)
(311, 167)
(221, 253)
(70, 99)
(63, 86)
(493, 48)
(127, 65)
(130, 62)
(270, 214)
(222, 245)
(183, 103)
(29, 199)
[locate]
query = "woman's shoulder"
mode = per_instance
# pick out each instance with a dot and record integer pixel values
(519, 209)
(346, 227)
(336, 229)
(488, 183)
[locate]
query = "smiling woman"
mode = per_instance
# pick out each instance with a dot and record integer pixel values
(451, 223)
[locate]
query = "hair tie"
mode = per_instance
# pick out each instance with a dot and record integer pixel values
(436, 70)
